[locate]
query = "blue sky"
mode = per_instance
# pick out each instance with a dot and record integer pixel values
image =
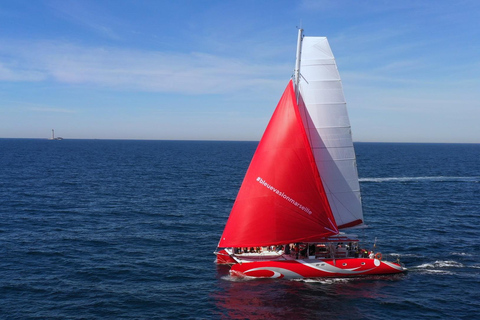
(215, 70)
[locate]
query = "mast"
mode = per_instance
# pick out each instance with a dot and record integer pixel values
(297, 62)
(53, 134)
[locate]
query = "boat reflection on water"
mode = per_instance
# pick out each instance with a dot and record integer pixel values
(328, 298)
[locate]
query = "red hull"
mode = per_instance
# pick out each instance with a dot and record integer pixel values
(316, 268)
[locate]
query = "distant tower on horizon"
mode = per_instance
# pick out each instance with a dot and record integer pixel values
(53, 136)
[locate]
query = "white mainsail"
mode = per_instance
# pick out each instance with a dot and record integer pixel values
(328, 129)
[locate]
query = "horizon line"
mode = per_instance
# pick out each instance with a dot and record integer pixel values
(226, 140)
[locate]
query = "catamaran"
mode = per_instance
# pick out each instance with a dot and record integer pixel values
(301, 190)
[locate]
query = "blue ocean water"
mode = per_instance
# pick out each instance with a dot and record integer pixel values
(99, 229)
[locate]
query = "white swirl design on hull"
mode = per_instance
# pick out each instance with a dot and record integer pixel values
(394, 266)
(323, 267)
(277, 272)
(328, 268)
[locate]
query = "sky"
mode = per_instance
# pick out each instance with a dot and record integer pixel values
(215, 70)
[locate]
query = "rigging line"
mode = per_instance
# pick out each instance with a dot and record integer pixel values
(301, 75)
(332, 194)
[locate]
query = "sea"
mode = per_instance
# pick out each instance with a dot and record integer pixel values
(123, 229)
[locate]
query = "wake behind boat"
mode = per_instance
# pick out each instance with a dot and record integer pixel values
(301, 188)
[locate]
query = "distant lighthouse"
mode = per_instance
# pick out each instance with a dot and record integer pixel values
(53, 136)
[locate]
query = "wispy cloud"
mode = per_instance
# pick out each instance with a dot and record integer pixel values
(87, 15)
(50, 110)
(13, 72)
(19, 106)
(188, 73)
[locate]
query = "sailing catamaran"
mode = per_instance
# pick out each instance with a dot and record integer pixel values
(301, 188)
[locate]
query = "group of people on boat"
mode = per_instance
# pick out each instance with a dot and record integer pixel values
(317, 250)
(258, 249)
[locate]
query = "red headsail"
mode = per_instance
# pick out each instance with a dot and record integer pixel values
(281, 199)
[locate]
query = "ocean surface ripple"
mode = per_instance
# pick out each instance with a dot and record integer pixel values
(112, 229)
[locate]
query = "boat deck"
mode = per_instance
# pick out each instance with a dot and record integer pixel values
(296, 252)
